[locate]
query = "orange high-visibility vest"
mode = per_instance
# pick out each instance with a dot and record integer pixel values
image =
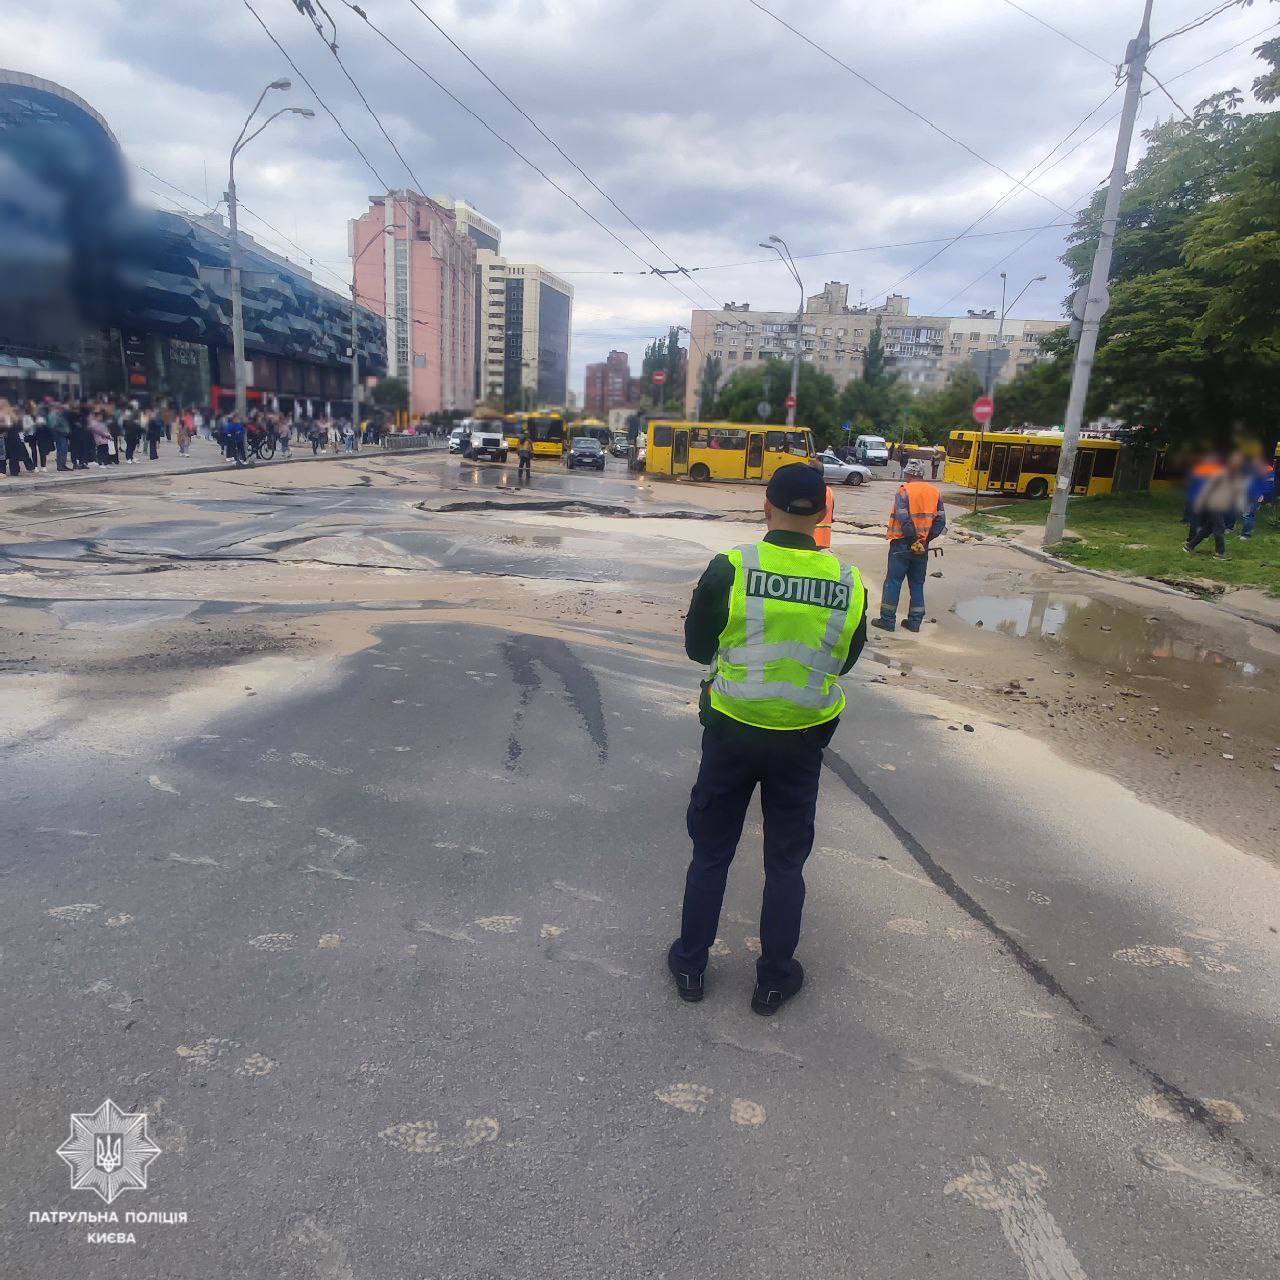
(919, 500)
(822, 533)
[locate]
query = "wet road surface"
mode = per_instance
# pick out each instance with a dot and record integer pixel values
(378, 946)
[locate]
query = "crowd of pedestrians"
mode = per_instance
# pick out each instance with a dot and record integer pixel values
(105, 431)
(1224, 490)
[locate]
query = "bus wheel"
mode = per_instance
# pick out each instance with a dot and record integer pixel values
(699, 471)
(1038, 488)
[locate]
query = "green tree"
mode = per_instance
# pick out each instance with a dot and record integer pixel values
(874, 364)
(876, 402)
(709, 387)
(935, 414)
(771, 382)
(664, 354)
(391, 393)
(1190, 347)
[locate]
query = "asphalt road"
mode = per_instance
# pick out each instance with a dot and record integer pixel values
(381, 954)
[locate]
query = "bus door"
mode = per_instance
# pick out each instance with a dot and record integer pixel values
(1084, 471)
(995, 473)
(755, 456)
(1012, 468)
(680, 452)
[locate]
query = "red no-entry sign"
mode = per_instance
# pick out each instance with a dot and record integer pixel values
(659, 377)
(983, 408)
(791, 402)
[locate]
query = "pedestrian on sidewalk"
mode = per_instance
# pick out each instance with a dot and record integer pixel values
(15, 449)
(316, 435)
(132, 435)
(60, 425)
(81, 437)
(283, 434)
(1213, 506)
(916, 520)
(154, 431)
(184, 430)
(101, 434)
(780, 621)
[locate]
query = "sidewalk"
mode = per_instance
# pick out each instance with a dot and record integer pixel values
(205, 457)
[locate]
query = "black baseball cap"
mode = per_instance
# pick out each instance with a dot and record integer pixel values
(798, 489)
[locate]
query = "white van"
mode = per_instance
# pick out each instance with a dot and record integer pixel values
(480, 438)
(871, 451)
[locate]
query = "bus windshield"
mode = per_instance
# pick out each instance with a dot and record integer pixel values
(546, 429)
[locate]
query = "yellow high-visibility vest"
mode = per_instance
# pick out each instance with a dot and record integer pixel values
(792, 615)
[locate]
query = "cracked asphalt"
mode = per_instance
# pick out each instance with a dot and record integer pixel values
(359, 881)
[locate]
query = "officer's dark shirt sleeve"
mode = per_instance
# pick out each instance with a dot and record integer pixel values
(709, 610)
(859, 639)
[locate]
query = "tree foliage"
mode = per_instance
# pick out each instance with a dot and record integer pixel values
(1190, 346)
(709, 387)
(391, 393)
(664, 354)
(771, 381)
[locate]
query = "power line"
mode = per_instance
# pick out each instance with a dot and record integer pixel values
(1035, 17)
(1170, 96)
(546, 137)
(382, 182)
(1205, 17)
(964, 146)
(546, 177)
(1230, 49)
(933, 257)
(332, 46)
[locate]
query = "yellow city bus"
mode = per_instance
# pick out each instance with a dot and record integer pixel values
(546, 430)
(1026, 462)
(723, 450)
(594, 428)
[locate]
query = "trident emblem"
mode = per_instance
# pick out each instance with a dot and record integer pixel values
(108, 1152)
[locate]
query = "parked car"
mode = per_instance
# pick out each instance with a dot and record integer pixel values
(835, 471)
(585, 451)
(455, 439)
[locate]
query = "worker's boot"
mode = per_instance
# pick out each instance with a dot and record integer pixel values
(913, 620)
(885, 622)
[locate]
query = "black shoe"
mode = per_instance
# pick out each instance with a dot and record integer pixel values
(890, 625)
(689, 985)
(766, 1001)
(911, 624)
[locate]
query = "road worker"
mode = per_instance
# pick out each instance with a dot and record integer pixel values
(780, 622)
(822, 534)
(916, 520)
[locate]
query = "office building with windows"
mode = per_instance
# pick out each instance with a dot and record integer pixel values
(414, 262)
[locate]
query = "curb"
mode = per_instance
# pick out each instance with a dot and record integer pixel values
(1147, 583)
(27, 485)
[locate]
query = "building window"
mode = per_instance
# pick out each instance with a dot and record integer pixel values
(975, 337)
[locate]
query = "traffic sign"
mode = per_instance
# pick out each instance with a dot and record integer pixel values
(659, 377)
(763, 410)
(791, 402)
(983, 408)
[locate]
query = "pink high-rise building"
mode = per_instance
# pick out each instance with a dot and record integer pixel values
(415, 265)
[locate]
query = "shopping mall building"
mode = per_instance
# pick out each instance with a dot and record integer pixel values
(100, 294)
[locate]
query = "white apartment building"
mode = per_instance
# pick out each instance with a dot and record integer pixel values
(833, 338)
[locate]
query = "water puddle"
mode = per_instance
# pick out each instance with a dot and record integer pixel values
(120, 613)
(1134, 646)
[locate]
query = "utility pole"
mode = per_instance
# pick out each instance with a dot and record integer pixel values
(1098, 300)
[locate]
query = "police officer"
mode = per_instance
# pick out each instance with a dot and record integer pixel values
(781, 621)
(916, 520)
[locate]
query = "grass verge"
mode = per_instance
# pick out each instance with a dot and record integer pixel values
(1142, 534)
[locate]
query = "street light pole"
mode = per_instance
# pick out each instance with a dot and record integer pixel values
(237, 298)
(789, 262)
(989, 380)
(1096, 303)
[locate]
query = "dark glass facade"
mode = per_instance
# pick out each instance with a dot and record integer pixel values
(513, 356)
(553, 346)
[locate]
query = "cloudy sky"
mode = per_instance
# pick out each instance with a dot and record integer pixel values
(709, 123)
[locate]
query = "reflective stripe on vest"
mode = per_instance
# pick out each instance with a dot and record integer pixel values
(922, 500)
(792, 615)
(822, 534)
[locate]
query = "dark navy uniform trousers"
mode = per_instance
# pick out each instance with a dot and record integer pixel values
(786, 766)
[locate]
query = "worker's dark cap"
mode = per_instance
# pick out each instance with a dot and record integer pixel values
(798, 489)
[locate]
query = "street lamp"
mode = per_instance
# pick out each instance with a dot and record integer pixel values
(355, 359)
(788, 261)
(1005, 308)
(237, 301)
